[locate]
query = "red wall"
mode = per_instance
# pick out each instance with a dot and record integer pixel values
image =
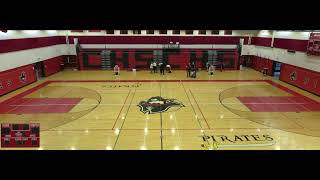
(157, 39)
(10, 45)
(52, 65)
(291, 44)
(261, 41)
(305, 79)
(258, 64)
(13, 76)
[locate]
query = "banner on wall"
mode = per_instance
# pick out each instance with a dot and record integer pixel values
(302, 78)
(16, 78)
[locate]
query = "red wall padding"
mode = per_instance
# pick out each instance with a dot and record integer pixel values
(11, 45)
(305, 79)
(52, 65)
(261, 41)
(11, 80)
(291, 44)
(94, 59)
(259, 64)
(180, 60)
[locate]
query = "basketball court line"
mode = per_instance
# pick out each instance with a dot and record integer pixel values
(105, 104)
(29, 91)
(161, 121)
(125, 117)
(121, 110)
(194, 113)
(152, 129)
(199, 109)
(269, 81)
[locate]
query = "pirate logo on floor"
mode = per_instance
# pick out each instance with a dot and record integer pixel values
(158, 105)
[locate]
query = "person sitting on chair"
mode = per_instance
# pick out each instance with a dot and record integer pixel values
(116, 70)
(168, 68)
(211, 69)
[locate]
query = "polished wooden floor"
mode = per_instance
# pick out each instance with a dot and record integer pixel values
(109, 117)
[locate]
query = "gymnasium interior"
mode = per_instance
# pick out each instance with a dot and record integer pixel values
(160, 89)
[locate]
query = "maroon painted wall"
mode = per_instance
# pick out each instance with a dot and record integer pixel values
(291, 44)
(12, 79)
(10, 45)
(52, 65)
(305, 79)
(259, 64)
(261, 41)
(157, 39)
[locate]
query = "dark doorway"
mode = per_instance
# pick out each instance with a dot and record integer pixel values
(39, 70)
(70, 62)
(276, 68)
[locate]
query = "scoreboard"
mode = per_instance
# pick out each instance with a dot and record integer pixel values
(20, 135)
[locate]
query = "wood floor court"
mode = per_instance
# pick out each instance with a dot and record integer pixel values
(144, 111)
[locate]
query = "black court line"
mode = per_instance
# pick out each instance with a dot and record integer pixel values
(168, 129)
(121, 109)
(200, 109)
(161, 121)
(194, 111)
(125, 117)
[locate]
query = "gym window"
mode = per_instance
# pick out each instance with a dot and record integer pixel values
(162, 31)
(215, 32)
(110, 31)
(228, 32)
(136, 31)
(150, 31)
(123, 31)
(175, 31)
(202, 32)
(189, 32)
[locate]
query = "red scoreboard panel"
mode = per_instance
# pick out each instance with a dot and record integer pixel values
(20, 135)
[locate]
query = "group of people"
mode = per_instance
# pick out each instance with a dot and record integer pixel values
(154, 66)
(191, 69)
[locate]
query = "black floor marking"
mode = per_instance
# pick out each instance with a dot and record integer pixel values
(161, 121)
(125, 117)
(194, 111)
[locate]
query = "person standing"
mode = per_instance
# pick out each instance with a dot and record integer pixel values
(162, 68)
(151, 67)
(193, 70)
(207, 65)
(188, 68)
(154, 65)
(116, 70)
